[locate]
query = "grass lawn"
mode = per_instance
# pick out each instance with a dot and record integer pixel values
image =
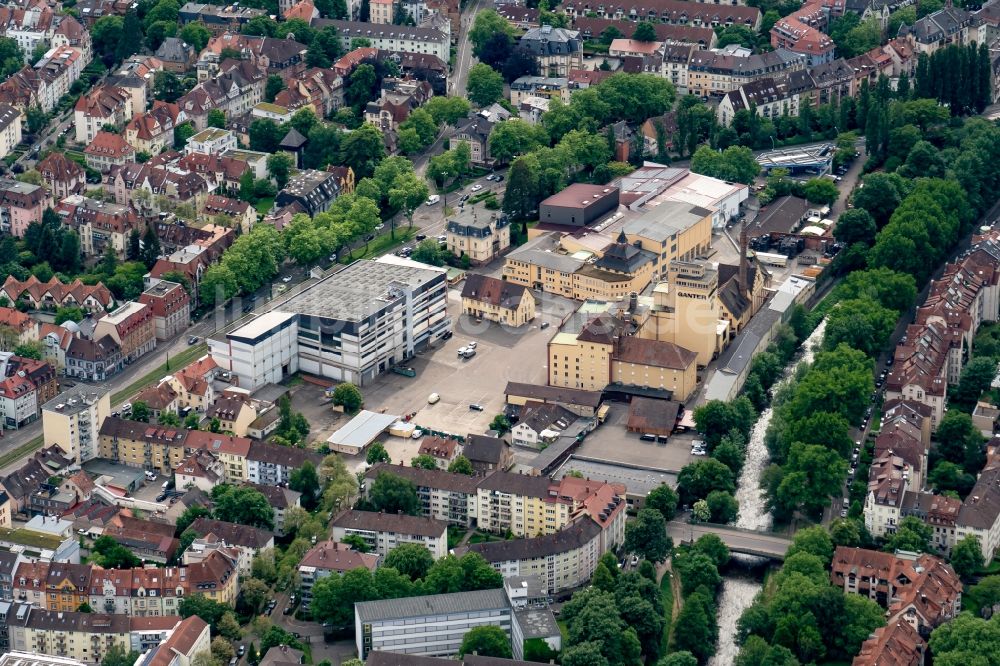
(22, 451)
(482, 537)
(455, 534)
(667, 597)
(563, 630)
(263, 206)
(382, 244)
(992, 568)
(178, 361)
(29, 538)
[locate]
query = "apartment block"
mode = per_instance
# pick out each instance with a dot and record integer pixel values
(171, 308)
(447, 497)
(384, 531)
(327, 558)
(72, 421)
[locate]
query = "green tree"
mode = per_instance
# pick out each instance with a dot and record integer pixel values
(814, 541)
(845, 532)
(274, 85)
(983, 596)
(140, 411)
(911, 534)
(736, 34)
(112, 555)
(723, 506)
(522, 194)
(105, 34)
(822, 191)
(855, 226)
(279, 166)
(218, 285)
(488, 23)
(118, 656)
(461, 465)
(243, 505)
(515, 137)
(696, 569)
(486, 641)
(410, 559)
(348, 396)
(716, 418)
(167, 86)
(305, 480)
(424, 461)
(31, 349)
(447, 110)
(377, 454)
(64, 314)
(861, 324)
(663, 498)
(966, 641)
(735, 163)
(974, 381)
(695, 629)
(646, 535)
(696, 480)
(362, 149)
(967, 556)
(216, 117)
(485, 85)
(208, 610)
(392, 494)
(644, 32)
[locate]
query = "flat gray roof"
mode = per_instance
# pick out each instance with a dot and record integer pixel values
(359, 290)
(75, 399)
(542, 252)
(666, 219)
(537, 623)
(362, 429)
(434, 604)
(638, 482)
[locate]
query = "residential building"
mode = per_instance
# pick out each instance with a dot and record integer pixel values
(18, 402)
(948, 25)
(803, 31)
(249, 541)
(319, 88)
(189, 637)
(234, 412)
(381, 12)
(496, 300)
(363, 303)
(921, 590)
(532, 505)
(241, 213)
(481, 241)
(273, 464)
(107, 150)
(211, 141)
(218, 18)
(62, 175)
(93, 360)
(436, 623)
(540, 425)
(447, 497)
(562, 560)
(102, 106)
(171, 307)
(545, 87)
(98, 224)
(176, 55)
(73, 420)
(10, 129)
(895, 643)
(443, 450)
(769, 98)
(153, 131)
(140, 445)
(327, 558)
(314, 190)
(234, 90)
(476, 129)
(148, 540)
(431, 41)
(54, 294)
(199, 470)
(557, 50)
(132, 327)
(281, 500)
(22, 327)
(715, 73)
(20, 205)
(675, 12)
(87, 637)
(384, 531)
(399, 97)
(487, 454)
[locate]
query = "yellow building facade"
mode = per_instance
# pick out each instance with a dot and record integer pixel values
(497, 300)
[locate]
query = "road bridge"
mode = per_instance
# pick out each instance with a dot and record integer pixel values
(747, 542)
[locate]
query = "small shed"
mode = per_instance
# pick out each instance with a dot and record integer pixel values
(652, 416)
(360, 431)
(294, 143)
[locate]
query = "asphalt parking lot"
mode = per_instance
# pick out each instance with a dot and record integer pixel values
(502, 355)
(612, 443)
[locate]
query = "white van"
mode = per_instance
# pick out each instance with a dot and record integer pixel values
(150, 476)
(433, 199)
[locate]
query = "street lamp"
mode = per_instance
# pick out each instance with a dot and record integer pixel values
(444, 203)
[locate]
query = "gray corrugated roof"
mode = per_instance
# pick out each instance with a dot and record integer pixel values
(435, 604)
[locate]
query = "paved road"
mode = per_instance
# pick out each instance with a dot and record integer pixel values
(463, 55)
(754, 543)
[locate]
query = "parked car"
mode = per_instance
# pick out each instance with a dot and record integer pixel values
(544, 325)
(126, 408)
(193, 339)
(433, 199)
(476, 407)
(379, 227)
(499, 177)
(420, 237)
(476, 187)
(472, 345)
(417, 434)
(286, 279)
